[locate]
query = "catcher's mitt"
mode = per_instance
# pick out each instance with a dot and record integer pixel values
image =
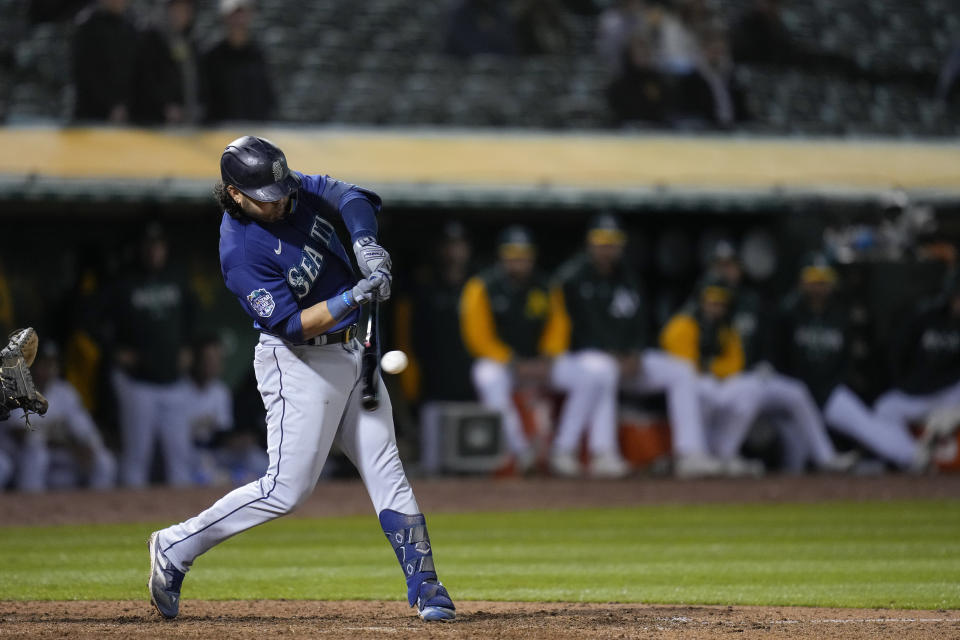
(16, 384)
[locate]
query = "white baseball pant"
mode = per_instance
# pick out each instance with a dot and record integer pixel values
(312, 396)
(148, 413)
(661, 372)
(846, 413)
(735, 402)
(903, 408)
(590, 383)
(38, 457)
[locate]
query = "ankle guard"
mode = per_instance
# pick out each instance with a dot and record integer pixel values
(408, 535)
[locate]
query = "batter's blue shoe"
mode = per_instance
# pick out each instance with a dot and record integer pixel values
(164, 582)
(434, 603)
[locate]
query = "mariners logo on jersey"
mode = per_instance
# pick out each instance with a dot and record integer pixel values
(262, 302)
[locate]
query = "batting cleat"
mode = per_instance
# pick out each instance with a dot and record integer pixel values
(164, 582)
(434, 603)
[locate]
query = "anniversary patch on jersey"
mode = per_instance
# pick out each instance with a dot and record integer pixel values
(262, 302)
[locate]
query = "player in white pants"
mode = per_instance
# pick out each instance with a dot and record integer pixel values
(813, 344)
(926, 367)
(282, 258)
(151, 413)
(65, 448)
(732, 399)
(608, 318)
(784, 400)
(151, 315)
(589, 380)
(518, 333)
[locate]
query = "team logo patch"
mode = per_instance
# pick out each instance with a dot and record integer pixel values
(262, 302)
(277, 171)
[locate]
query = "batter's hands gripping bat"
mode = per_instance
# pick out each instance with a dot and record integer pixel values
(370, 364)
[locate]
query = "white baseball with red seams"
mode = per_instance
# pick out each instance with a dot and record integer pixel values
(394, 362)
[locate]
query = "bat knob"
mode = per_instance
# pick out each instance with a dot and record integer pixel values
(370, 402)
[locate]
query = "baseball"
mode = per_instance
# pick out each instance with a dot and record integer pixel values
(394, 361)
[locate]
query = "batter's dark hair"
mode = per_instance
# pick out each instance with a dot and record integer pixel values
(226, 202)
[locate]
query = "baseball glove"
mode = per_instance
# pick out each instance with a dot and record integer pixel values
(17, 390)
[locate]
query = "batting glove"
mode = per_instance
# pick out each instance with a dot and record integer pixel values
(383, 281)
(371, 256)
(366, 290)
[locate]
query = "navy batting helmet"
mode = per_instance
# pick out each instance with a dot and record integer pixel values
(258, 169)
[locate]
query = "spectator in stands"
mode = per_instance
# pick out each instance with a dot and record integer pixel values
(640, 93)
(925, 366)
(64, 450)
(515, 328)
(542, 27)
(481, 27)
(609, 328)
(167, 79)
(151, 314)
(615, 32)
(720, 100)
(674, 44)
(104, 59)
(235, 74)
(668, 78)
(812, 343)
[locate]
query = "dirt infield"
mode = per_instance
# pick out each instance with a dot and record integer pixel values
(308, 619)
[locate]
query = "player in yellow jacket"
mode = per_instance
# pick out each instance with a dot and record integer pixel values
(517, 330)
(702, 334)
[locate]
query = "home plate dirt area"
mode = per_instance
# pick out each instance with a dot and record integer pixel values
(355, 619)
(308, 619)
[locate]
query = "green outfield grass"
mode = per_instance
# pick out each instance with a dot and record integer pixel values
(896, 554)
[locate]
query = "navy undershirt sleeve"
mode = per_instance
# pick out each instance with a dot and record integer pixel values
(291, 329)
(360, 216)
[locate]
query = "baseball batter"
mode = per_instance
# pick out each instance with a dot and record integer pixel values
(281, 257)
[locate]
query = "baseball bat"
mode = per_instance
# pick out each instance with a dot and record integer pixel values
(370, 364)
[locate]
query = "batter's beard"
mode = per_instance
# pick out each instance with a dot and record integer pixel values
(291, 205)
